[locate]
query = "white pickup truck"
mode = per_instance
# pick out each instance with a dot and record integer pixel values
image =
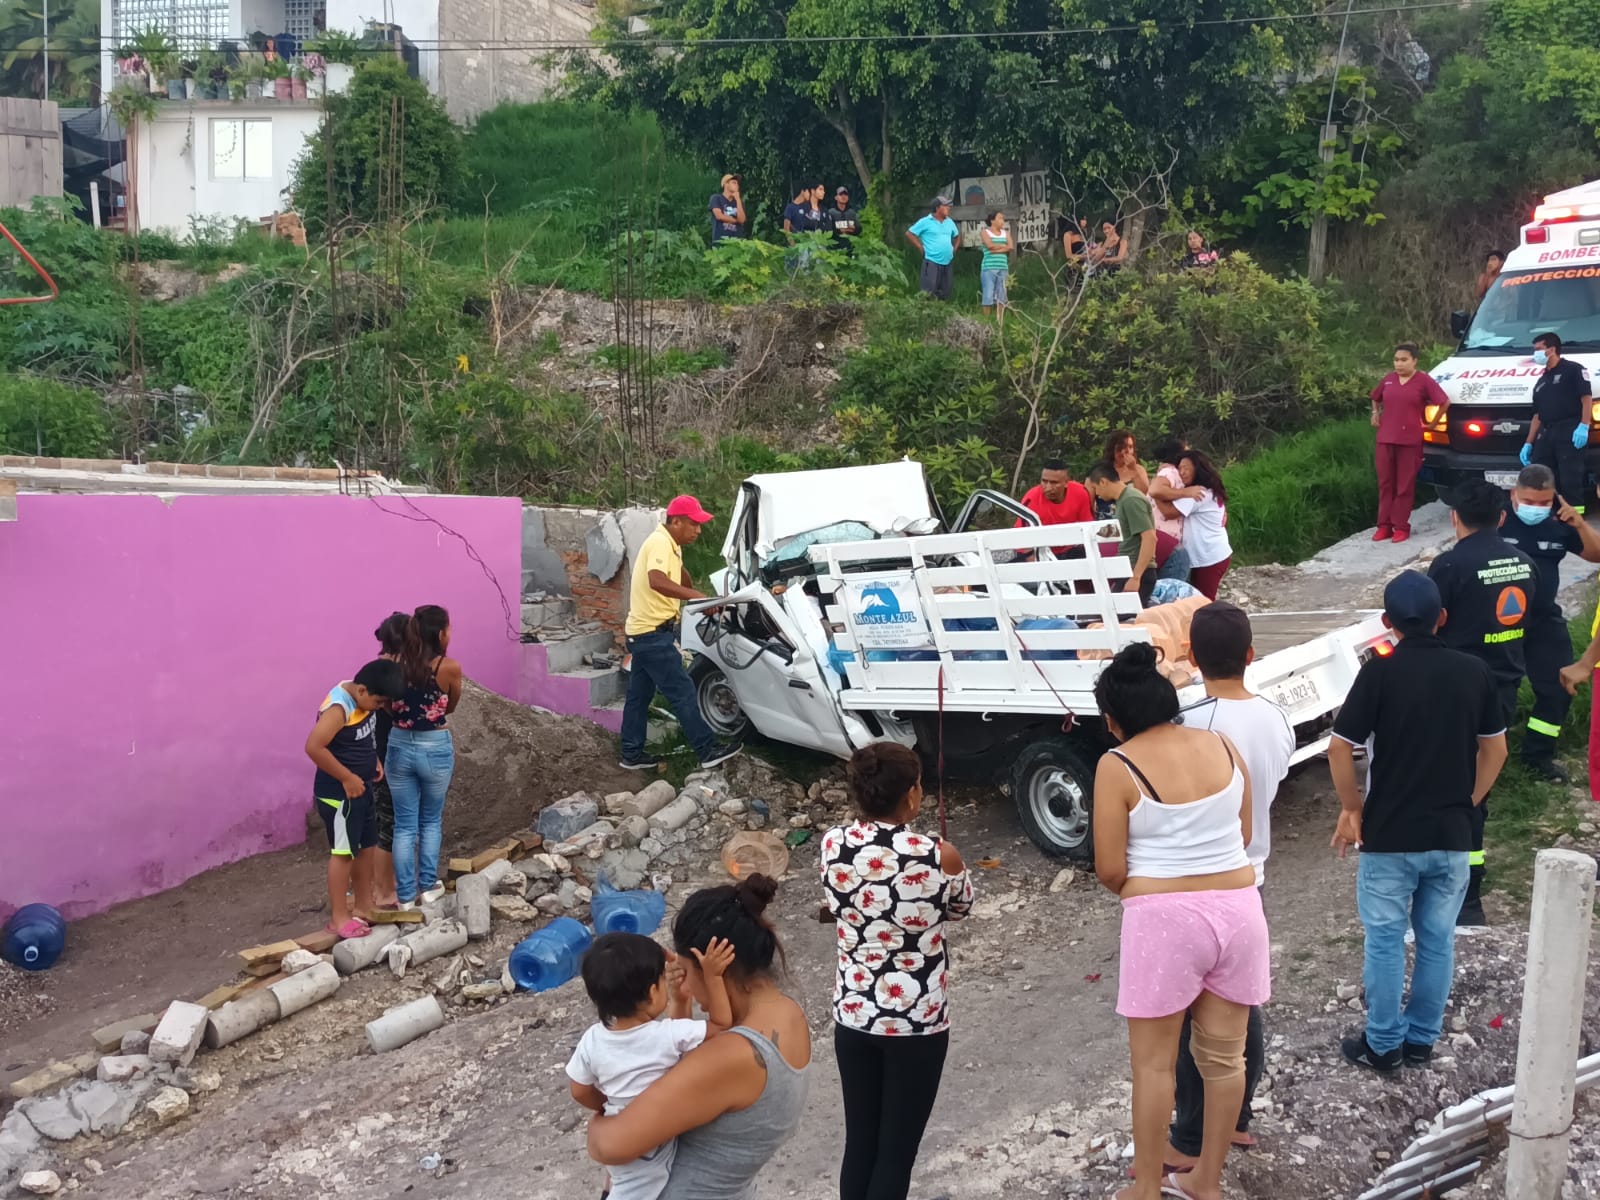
(847, 614)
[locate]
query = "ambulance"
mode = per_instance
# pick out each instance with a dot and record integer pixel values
(1550, 283)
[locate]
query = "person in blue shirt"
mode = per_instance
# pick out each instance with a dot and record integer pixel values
(938, 237)
(727, 211)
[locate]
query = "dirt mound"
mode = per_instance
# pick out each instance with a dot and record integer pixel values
(512, 760)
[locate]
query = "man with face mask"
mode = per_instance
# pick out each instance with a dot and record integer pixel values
(1547, 529)
(1563, 418)
(1486, 586)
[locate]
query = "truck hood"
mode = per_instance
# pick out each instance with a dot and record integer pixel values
(796, 502)
(1495, 379)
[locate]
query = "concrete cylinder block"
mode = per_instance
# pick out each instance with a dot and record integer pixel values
(306, 988)
(405, 1024)
(472, 895)
(431, 941)
(238, 1018)
(496, 873)
(354, 954)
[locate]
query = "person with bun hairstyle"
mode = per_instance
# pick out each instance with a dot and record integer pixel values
(421, 756)
(891, 891)
(734, 1100)
(1171, 822)
(391, 637)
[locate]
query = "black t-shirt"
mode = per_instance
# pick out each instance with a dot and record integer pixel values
(802, 219)
(1546, 543)
(844, 222)
(1558, 393)
(1419, 713)
(1486, 585)
(720, 207)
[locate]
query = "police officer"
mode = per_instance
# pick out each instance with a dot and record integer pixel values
(1562, 418)
(1486, 586)
(1547, 529)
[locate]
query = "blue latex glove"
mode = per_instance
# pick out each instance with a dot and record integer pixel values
(1525, 455)
(1580, 437)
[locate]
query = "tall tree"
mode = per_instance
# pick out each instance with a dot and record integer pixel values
(72, 46)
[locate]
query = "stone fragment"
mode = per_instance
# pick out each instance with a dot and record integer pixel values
(652, 846)
(550, 904)
(1063, 880)
(513, 908)
(732, 808)
(54, 1117)
(168, 1104)
(298, 960)
(564, 818)
(19, 1141)
(625, 869)
(650, 800)
(135, 1041)
(676, 815)
(613, 803)
(107, 1107)
(108, 1038)
(178, 1035)
(119, 1068)
(600, 834)
(1347, 991)
(486, 990)
(40, 1183)
(633, 831)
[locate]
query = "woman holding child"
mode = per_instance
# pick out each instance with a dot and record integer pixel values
(891, 891)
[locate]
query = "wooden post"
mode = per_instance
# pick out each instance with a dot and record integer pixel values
(94, 202)
(1317, 259)
(1552, 1019)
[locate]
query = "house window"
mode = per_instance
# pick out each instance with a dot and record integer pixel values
(299, 18)
(241, 149)
(194, 24)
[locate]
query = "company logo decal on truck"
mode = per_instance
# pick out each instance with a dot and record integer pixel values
(887, 614)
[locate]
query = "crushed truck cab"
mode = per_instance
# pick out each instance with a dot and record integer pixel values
(848, 613)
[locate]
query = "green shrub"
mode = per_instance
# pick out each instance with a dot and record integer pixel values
(41, 416)
(1302, 493)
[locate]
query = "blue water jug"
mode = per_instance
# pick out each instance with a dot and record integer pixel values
(34, 938)
(626, 912)
(548, 957)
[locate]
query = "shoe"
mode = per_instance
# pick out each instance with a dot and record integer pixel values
(1357, 1052)
(1401, 535)
(643, 762)
(1415, 1054)
(1546, 769)
(406, 906)
(434, 894)
(1381, 534)
(722, 753)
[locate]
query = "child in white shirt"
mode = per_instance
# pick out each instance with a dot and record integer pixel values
(632, 981)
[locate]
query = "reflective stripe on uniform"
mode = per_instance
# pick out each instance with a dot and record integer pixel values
(1537, 726)
(1475, 858)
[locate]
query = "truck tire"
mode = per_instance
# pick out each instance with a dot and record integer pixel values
(1052, 782)
(718, 705)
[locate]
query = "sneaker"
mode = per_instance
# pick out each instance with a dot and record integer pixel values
(1401, 535)
(721, 753)
(1546, 769)
(1415, 1054)
(1357, 1052)
(1381, 534)
(641, 762)
(434, 894)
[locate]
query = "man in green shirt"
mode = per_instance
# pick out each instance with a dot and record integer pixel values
(1138, 521)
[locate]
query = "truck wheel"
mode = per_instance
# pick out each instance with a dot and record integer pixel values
(718, 705)
(1053, 785)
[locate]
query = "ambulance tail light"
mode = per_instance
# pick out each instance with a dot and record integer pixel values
(1594, 414)
(1475, 428)
(1536, 235)
(1555, 214)
(1383, 649)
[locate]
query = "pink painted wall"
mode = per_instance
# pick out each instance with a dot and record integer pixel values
(559, 693)
(166, 659)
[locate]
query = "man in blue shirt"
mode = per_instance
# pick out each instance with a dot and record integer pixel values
(938, 237)
(727, 211)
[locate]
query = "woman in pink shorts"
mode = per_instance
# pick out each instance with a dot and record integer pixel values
(1171, 822)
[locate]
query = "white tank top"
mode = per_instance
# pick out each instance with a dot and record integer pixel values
(1202, 837)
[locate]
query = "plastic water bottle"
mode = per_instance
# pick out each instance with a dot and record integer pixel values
(34, 937)
(626, 912)
(548, 957)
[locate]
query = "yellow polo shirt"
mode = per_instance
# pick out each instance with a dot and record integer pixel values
(648, 609)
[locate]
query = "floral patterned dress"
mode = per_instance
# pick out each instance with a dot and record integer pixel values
(891, 899)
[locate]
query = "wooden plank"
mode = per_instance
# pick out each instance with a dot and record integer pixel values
(484, 857)
(272, 952)
(319, 942)
(262, 969)
(383, 917)
(528, 840)
(461, 866)
(255, 985)
(217, 997)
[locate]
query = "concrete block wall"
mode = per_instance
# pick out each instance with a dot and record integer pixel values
(586, 554)
(473, 80)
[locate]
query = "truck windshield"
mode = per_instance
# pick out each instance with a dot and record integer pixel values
(1523, 304)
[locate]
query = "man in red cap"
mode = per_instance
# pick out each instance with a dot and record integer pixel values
(656, 594)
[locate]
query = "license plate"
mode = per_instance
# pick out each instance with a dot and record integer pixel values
(1504, 479)
(1296, 694)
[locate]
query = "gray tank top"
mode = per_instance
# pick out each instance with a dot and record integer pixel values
(720, 1160)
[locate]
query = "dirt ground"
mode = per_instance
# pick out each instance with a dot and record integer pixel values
(510, 762)
(1034, 1101)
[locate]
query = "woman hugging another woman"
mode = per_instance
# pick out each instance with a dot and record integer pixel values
(891, 891)
(421, 756)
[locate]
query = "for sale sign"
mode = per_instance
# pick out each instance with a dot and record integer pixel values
(1023, 197)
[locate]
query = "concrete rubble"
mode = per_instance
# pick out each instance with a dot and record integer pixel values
(178, 1035)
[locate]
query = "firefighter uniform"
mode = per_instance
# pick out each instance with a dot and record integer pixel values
(1558, 399)
(1548, 644)
(1486, 585)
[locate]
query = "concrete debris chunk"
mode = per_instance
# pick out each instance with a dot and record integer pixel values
(298, 960)
(108, 1038)
(649, 801)
(178, 1035)
(564, 818)
(119, 1068)
(40, 1183)
(486, 990)
(136, 1041)
(513, 908)
(54, 1117)
(676, 815)
(107, 1107)
(168, 1104)
(612, 804)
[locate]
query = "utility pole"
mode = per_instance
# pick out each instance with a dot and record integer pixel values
(47, 49)
(1317, 255)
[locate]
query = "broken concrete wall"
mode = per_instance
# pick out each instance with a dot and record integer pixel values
(477, 76)
(582, 555)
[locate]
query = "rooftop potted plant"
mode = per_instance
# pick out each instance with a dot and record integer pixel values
(316, 69)
(160, 53)
(251, 71)
(297, 80)
(339, 51)
(277, 71)
(211, 76)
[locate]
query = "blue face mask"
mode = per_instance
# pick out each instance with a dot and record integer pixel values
(1541, 358)
(1532, 514)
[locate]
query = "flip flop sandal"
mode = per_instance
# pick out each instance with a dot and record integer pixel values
(1172, 1185)
(355, 927)
(1244, 1140)
(1166, 1169)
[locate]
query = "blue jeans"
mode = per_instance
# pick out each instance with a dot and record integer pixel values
(1422, 891)
(658, 667)
(418, 767)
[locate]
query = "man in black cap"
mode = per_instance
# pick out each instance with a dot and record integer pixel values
(1486, 586)
(1432, 726)
(843, 220)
